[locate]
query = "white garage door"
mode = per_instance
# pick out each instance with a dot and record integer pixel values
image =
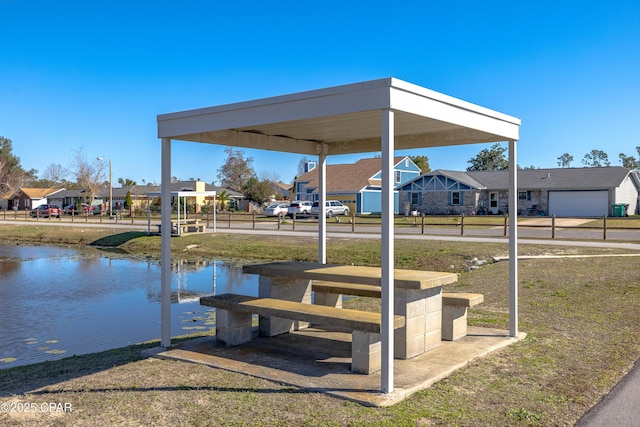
(578, 203)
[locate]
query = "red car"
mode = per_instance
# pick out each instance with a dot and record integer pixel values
(45, 211)
(69, 210)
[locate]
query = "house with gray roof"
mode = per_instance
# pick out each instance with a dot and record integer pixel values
(564, 192)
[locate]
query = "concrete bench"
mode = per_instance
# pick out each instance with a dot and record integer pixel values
(454, 313)
(234, 323)
(454, 304)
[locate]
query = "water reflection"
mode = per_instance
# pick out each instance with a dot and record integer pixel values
(56, 302)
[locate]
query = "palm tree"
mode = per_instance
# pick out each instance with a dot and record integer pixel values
(223, 198)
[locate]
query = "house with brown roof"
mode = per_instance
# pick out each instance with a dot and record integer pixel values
(357, 185)
(30, 198)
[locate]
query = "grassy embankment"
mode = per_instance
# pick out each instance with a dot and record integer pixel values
(580, 315)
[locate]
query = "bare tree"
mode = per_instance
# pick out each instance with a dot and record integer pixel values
(12, 175)
(236, 170)
(9, 176)
(54, 175)
(302, 166)
(89, 174)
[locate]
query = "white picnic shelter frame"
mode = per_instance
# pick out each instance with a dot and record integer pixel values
(374, 116)
(178, 195)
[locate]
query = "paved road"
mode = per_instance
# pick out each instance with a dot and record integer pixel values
(309, 230)
(619, 408)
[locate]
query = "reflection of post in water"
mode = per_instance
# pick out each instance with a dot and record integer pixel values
(181, 281)
(153, 287)
(215, 278)
(182, 269)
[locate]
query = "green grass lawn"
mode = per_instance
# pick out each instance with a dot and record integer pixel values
(580, 315)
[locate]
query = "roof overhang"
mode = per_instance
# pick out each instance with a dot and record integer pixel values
(342, 120)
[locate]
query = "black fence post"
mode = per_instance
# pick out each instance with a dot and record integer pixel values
(462, 224)
(604, 227)
(553, 226)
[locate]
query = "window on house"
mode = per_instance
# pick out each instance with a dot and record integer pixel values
(524, 195)
(455, 198)
(415, 198)
(398, 176)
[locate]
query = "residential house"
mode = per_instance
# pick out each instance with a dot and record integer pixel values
(281, 191)
(4, 200)
(70, 197)
(564, 192)
(356, 185)
(140, 194)
(31, 198)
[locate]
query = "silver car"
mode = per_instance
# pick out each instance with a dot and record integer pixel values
(276, 209)
(299, 208)
(332, 208)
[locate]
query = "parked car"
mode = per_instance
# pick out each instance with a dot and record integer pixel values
(332, 208)
(45, 211)
(86, 208)
(299, 208)
(276, 209)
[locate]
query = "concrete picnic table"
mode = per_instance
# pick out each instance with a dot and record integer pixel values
(418, 297)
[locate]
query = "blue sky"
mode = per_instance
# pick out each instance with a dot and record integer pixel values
(96, 74)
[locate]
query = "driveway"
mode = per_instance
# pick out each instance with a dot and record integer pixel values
(560, 222)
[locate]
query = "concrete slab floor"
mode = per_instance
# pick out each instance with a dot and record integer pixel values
(319, 360)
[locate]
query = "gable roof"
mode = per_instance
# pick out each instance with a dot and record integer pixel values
(69, 193)
(351, 177)
(38, 193)
(462, 177)
(555, 179)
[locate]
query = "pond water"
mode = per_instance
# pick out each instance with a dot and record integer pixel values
(56, 302)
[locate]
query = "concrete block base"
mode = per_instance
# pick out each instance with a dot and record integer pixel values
(366, 352)
(332, 300)
(454, 322)
(298, 290)
(423, 313)
(232, 328)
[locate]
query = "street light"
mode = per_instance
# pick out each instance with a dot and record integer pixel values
(110, 186)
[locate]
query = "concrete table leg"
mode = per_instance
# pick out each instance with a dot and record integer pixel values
(366, 352)
(422, 309)
(232, 327)
(298, 290)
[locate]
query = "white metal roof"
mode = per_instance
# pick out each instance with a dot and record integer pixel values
(345, 118)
